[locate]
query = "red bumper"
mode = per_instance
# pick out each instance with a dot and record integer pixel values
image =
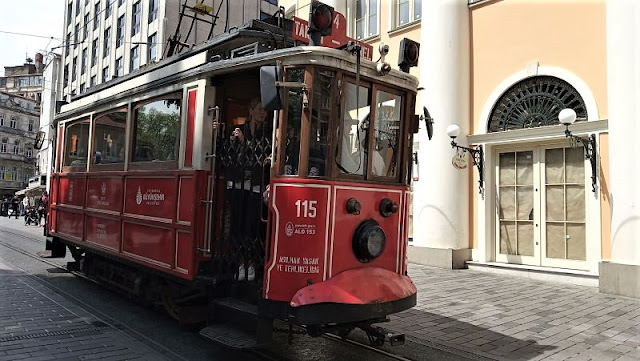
(360, 286)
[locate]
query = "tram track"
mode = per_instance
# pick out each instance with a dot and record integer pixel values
(99, 315)
(149, 342)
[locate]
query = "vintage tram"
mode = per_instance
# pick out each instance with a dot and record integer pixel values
(172, 184)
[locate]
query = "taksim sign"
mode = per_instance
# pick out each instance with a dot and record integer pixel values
(337, 38)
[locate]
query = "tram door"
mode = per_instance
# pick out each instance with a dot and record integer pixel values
(541, 202)
(243, 146)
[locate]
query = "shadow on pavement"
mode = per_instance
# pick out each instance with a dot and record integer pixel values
(463, 338)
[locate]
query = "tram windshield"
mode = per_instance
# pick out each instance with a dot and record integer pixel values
(336, 127)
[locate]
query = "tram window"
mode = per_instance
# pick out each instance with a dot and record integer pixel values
(109, 137)
(294, 116)
(355, 127)
(386, 132)
(76, 146)
(157, 130)
(323, 87)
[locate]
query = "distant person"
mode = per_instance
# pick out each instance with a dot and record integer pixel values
(25, 205)
(44, 207)
(5, 206)
(15, 205)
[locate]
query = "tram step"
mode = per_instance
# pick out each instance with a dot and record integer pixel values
(236, 305)
(230, 336)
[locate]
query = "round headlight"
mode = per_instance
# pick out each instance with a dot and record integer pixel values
(369, 241)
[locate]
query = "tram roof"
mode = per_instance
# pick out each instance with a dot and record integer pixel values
(254, 44)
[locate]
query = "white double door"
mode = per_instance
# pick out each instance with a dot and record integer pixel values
(541, 206)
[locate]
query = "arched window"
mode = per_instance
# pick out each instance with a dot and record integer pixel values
(535, 102)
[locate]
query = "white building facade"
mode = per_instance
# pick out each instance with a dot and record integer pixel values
(110, 38)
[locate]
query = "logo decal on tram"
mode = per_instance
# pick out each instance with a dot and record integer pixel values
(289, 229)
(139, 197)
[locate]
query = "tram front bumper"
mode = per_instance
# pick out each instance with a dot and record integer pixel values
(353, 295)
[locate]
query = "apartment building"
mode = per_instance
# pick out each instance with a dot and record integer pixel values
(24, 80)
(110, 38)
(19, 122)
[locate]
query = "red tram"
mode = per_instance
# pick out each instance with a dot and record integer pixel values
(302, 218)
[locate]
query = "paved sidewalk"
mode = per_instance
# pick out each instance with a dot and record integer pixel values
(511, 318)
(38, 324)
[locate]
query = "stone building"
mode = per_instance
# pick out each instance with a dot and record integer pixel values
(19, 123)
(24, 80)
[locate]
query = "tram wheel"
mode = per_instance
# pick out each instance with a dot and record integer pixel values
(166, 298)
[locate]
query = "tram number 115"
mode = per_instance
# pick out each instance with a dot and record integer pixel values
(306, 208)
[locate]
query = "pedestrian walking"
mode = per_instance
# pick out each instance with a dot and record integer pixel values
(44, 207)
(15, 205)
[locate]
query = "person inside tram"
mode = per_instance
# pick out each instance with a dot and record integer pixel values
(250, 148)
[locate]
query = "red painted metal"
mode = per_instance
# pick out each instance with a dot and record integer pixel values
(72, 191)
(347, 287)
(300, 240)
(151, 244)
(104, 193)
(60, 144)
(191, 115)
(185, 208)
(337, 38)
(341, 256)
(141, 227)
(103, 232)
(310, 250)
(151, 196)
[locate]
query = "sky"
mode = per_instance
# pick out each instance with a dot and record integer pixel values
(44, 18)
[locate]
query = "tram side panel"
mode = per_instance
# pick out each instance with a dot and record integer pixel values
(152, 220)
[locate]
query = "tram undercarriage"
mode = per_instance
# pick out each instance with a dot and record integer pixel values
(233, 313)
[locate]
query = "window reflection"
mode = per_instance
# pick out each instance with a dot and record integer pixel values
(108, 139)
(157, 130)
(77, 145)
(324, 85)
(386, 132)
(355, 126)
(294, 122)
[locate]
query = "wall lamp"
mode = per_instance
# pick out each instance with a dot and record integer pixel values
(477, 154)
(567, 117)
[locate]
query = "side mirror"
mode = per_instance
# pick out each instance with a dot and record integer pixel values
(39, 141)
(428, 122)
(271, 96)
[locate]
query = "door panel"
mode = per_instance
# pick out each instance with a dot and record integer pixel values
(516, 211)
(565, 204)
(541, 204)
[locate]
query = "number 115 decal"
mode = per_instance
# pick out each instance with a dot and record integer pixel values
(306, 208)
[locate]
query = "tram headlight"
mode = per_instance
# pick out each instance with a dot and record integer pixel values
(369, 241)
